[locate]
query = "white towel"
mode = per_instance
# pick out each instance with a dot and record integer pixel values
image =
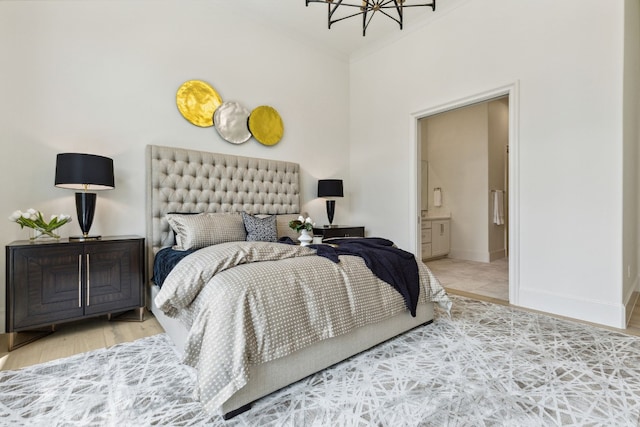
(437, 197)
(498, 207)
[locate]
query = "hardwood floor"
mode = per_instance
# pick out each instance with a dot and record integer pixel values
(75, 337)
(91, 334)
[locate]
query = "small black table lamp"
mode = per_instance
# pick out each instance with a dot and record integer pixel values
(84, 172)
(330, 188)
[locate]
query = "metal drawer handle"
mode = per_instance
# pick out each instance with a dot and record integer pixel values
(79, 281)
(88, 282)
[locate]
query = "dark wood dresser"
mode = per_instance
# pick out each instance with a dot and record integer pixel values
(59, 281)
(339, 231)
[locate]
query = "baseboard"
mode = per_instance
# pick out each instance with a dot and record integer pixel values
(499, 254)
(598, 312)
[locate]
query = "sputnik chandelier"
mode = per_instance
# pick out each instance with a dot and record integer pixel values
(393, 9)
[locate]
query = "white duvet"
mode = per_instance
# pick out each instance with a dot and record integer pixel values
(251, 302)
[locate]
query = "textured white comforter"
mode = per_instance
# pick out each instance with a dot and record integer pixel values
(251, 302)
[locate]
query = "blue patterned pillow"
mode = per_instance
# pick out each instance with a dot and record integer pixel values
(260, 229)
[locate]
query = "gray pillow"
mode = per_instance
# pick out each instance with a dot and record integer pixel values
(260, 229)
(199, 231)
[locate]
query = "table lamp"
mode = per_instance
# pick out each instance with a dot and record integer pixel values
(330, 188)
(84, 172)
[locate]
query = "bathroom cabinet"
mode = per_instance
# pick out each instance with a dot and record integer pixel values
(435, 237)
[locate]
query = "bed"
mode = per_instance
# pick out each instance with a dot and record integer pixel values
(184, 182)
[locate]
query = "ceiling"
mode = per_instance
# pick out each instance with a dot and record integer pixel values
(345, 37)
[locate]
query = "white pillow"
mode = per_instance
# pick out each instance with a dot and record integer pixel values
(206, 229)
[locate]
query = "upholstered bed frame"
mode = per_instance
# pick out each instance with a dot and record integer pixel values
(180, 180)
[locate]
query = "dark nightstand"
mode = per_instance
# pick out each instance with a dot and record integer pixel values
(328, 232)
(59, 281)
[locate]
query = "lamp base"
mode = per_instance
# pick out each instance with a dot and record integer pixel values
(331, 208)
(83, 238)
(85, 208)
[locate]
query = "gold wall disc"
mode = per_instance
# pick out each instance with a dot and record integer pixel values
(197, 101)
(266, 125)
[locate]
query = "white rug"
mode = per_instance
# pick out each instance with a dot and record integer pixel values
(488, 365)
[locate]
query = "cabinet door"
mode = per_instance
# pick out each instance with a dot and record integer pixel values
(113, 276)
(426, 250)
(425, 238)
(45, 283)
(440, 238)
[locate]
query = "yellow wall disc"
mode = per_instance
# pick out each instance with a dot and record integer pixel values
(266, 125)
(197, 101)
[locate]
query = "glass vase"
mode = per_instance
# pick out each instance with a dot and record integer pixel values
(40, 234)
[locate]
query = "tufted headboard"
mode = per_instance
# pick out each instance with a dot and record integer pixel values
(180, 180)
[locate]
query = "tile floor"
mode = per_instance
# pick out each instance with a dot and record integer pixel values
(486, 279)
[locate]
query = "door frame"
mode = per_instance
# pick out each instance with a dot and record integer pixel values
(415, 202)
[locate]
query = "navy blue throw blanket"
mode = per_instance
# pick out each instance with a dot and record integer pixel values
(164, 262)
(390, 264)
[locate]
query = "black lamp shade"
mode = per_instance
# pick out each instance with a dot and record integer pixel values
(84, 172)
(330, 188)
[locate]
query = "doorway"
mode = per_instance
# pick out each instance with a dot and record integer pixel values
(464, 176)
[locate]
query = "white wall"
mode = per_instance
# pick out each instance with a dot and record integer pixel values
(457, 151)
(465, 150)
(567, 60)
(101, 77)
(631, 140)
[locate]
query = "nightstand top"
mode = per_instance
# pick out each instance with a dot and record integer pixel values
(66, 240)
(336, 226)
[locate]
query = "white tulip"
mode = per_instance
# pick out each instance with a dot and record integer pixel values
(26, 215)
(32, 211)
(308, 220)
(15, 215)
(301, 218)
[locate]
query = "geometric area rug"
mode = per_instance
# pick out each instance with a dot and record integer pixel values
(486, 365)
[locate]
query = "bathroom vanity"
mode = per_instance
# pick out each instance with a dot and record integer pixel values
(435, 236)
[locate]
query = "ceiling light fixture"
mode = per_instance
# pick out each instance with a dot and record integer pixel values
(393, 9)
